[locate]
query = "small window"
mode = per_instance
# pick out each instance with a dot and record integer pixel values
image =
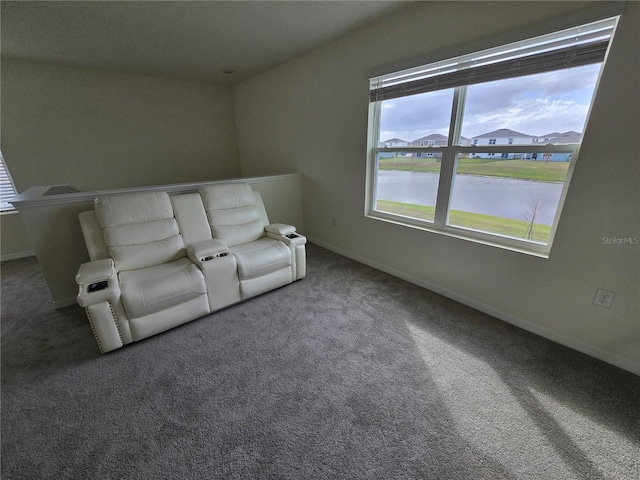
(7, 189)
(490, 179)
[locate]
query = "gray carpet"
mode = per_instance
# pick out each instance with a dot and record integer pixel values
(347, 374)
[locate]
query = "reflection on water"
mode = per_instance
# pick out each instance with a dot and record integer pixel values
(502, 197)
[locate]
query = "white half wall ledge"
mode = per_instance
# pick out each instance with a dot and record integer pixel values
(51, 221)
(17, 255)
(47, 195)
(574, 344)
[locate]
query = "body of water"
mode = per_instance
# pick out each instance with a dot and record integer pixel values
(502, 197)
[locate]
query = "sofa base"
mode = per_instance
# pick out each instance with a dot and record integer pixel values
(104, 325)
(257, 286)
(150, 325)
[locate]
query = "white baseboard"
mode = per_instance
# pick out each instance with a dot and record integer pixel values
(580, 346)
(17, 255)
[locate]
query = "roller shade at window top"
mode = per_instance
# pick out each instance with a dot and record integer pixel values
(581, 49)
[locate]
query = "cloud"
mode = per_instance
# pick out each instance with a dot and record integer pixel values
(569, 82)
(416, 116)
(535, 104)
(534, 117)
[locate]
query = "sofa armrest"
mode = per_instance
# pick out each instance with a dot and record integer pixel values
(96, 271)
(280, 228)
(206, 250)
(97, 282)
(286, 234)
(220, 272)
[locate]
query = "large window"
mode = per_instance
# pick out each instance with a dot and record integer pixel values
(482, 146)
(7, 189)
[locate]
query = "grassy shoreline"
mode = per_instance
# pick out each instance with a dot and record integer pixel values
(541, 171)
(476, 221)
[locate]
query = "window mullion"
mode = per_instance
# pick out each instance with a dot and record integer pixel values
(445, 183)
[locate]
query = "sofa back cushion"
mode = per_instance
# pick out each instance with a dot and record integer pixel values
(139, 229)
(232, 212)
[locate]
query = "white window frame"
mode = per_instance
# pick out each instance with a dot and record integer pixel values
(7, 188)
(451, 152)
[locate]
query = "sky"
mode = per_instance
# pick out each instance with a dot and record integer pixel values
(536, 104)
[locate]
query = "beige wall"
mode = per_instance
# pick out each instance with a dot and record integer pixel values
(310, 115)
(98, 130)
(14, 240)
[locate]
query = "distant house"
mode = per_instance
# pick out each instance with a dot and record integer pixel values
(394, 142)
(503, 136)
(464, 141)
(556, 138)
(433, 140)
(437, 140)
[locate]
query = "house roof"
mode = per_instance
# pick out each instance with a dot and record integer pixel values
(394, 139)
(567, 137)
(433, 136)
(503, 132)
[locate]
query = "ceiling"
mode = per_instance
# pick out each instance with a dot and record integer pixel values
(222, 42)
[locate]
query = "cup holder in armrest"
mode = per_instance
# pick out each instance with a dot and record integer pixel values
(94, 287)
(291, 235)
(217, 255)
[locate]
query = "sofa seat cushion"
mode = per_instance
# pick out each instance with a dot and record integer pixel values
(150, 290)
(261, 257)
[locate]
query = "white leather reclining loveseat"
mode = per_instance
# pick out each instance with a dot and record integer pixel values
(158, 261)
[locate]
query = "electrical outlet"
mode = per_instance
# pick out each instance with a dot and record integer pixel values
(603, 298)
